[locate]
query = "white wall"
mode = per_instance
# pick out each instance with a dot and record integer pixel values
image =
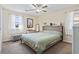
(55, 18)
(0, 30)
(7, 32)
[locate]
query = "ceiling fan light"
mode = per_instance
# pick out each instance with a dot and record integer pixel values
(38, 10)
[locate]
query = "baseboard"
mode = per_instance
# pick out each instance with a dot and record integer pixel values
(7, 41)
(10, 41)
(0, 50)
(67, 41)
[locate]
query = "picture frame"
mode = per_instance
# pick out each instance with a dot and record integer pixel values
(29, 23)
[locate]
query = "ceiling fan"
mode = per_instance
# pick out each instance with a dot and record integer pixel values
(38, 8)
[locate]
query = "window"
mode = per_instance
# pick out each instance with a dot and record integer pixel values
(76, 19)
(16, 22)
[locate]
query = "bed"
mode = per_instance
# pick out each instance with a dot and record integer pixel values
(41, 41)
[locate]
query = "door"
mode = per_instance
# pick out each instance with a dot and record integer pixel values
(76, 40)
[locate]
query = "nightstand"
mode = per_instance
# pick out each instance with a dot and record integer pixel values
(16, 38)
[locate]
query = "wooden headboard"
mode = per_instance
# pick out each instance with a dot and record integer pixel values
(53, 28)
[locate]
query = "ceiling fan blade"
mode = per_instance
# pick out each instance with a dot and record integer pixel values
(39, 5)
(30, 9)
(45, 6)
(44, 10)
(34, 5)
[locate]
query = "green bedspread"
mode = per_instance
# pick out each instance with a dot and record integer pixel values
(39, 41)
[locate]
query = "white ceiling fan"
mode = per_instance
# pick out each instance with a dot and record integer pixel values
(38, 8)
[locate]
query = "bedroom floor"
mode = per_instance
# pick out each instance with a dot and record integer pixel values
(18, 48)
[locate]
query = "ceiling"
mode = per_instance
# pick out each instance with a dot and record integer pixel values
(23, 7)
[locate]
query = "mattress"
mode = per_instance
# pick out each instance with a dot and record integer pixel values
(40, 41)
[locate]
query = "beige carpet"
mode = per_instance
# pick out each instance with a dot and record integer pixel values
(18, 48)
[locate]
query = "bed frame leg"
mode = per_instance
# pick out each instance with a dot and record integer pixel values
(21, 41)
